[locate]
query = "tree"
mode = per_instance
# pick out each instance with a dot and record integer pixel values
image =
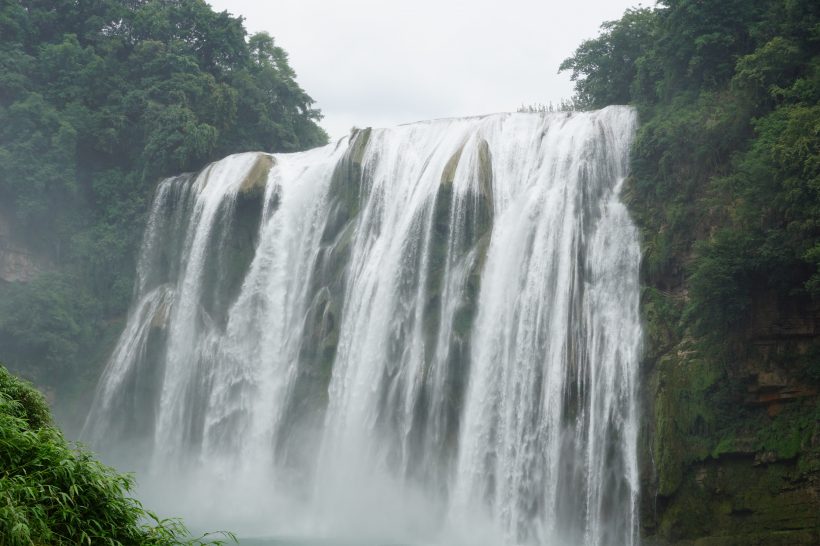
(98, 100)
(604, 68)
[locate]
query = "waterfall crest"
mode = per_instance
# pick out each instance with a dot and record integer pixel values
(427, 333)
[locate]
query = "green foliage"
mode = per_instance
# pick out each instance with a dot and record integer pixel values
(725, 181)
(47, 319)
(790, 432)
(695, 410)
(603, 68)
(53, 493)
(97, 101)
(699, 42)
(661, 316)
(726, 164)
(29, 404)
(720, 285)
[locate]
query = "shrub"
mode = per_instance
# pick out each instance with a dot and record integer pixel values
(53, 492)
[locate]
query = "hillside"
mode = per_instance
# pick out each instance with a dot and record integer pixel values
(98, 101)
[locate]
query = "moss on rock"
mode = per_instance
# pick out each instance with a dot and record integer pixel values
(253, 187)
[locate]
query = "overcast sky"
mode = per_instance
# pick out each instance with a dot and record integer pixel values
(380, 63)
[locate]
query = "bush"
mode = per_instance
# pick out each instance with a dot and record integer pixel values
(54, 493)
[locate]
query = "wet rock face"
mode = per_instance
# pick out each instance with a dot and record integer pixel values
(735, 501)
(732, 443)
(782, 335)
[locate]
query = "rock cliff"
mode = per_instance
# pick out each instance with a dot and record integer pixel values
(731, 431)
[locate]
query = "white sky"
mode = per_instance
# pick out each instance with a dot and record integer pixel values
(375, 63)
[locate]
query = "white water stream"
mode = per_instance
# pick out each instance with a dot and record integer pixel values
(426, 334)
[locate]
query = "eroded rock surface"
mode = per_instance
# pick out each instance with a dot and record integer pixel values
(731, 449)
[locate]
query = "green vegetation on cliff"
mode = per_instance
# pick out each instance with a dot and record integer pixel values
(54, 493)
(726, 185)
(729, 100)
(98, 100)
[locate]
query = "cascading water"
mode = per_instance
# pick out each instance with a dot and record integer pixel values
(428, 333)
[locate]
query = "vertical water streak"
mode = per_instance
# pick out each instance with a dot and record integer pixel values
(548, 357)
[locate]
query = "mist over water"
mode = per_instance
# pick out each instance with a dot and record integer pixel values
(427, 334)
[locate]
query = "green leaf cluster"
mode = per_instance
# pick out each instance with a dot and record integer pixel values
(98, 100)
(55, 493)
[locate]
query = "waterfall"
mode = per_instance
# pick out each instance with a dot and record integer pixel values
(429, 333)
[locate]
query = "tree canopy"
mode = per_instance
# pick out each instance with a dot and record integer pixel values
(98, 100)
